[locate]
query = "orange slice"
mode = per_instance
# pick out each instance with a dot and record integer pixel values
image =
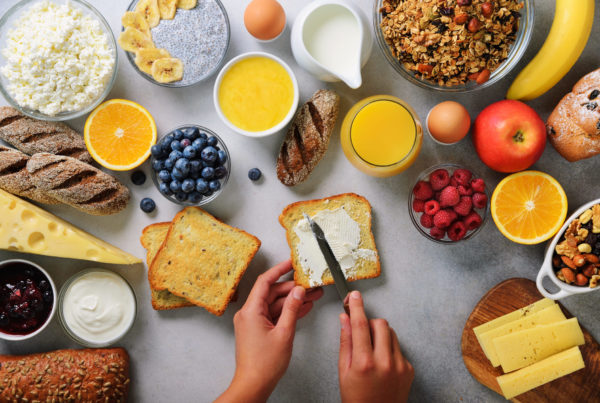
(119, 134)
(529, 207)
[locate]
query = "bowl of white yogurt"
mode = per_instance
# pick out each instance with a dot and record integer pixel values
(58, 58)
(97, 307)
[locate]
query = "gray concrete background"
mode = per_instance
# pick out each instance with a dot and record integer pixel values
(425, 290)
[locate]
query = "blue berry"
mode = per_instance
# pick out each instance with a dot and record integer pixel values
(181, 196)
(195, 166)
(164, 175)
(207, 164)
(208, 193)
(201, 186)
(165, 189)
(214, 185)
(191, 133)
(138, 177)
(194, 197)
(203, 135)
(183, 165)
(156, 150)
(176, 145)
(185, 143)
(222, 155)
(212, 141)
(177, 174)
(188, 185)
(220, 172)
(208, 173)
(178, 135)
(189, 152)
(169, 164)
(157, 165)
(175, 186)
(209, 154)
(254, 174)
(194, 174)
(175, 155)
(199, 144)
(147, 205)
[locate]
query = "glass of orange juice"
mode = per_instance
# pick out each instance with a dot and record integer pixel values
(381, 135)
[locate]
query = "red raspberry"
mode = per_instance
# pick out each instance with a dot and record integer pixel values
(464, 190)
(462, 176)
(472, 221)
(427, 221)
(437, 233)
(464, 207)
(442, 219)
(431, 207)
(437, 195)
(479, 200)
(453, 182)
(452, 213)
(449, 196)
(418, 206)
(457, 231)
(423, 191)
(478, 185)
(439, 179)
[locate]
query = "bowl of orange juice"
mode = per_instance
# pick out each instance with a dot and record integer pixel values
(381, 135)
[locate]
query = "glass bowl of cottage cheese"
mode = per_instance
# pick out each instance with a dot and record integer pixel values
(58, 58)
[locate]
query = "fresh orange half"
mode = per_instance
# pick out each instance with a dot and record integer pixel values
(529, 207)
(119, 133)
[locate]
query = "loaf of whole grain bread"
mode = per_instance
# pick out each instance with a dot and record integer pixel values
(308, 137)
(15, 179)
(77, 184)
(36, 136)
(88, 375)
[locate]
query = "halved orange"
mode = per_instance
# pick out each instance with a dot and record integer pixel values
(529, 207)
(119, 133)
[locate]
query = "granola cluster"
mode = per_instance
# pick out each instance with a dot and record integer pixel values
(450, 42)
(577, 256)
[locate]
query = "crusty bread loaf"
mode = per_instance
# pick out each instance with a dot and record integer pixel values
(574, 125)
(77, 184)
(358, 208)
(37, 136)
(308, 137)
(15, 179)
(88, 375)
(152, 238)
(202, 259)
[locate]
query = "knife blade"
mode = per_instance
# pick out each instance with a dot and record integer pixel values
(341, 284)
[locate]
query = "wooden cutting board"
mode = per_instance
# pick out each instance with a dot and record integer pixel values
(510, 295)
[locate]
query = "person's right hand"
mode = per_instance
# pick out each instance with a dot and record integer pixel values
(371, 365)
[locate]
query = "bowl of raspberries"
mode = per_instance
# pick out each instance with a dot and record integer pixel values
(449, 203)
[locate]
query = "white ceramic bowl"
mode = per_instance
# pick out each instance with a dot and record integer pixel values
(547, 270)
(19, 337)
(273, 129)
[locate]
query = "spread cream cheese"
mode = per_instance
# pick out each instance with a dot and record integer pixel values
(342, 234)
(98, 307)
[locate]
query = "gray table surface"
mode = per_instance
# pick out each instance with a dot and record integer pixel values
(425, 290)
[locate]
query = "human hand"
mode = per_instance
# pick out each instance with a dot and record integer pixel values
(371, 366)
(264, 334)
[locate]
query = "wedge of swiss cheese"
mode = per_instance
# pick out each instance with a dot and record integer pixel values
(29, 229)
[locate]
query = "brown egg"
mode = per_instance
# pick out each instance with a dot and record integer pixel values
(264, 19)
(448, 122)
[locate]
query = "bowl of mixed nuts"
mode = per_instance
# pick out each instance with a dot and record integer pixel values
(453, 45)
(572, 259)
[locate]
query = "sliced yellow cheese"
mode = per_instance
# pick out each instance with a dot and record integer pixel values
(520, 349)
(27, 228)
(546, 316)
(540, 373)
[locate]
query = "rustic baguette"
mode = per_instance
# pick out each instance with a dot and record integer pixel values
(77, 184)
(36, 136)
(15, 179)
(308, 137)
(88, 375)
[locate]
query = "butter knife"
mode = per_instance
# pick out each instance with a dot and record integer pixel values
(341, 284)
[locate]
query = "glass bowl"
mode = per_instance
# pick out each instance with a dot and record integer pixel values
(205, 199)
(6, 24)
(517, 50)
(415, 217)
(182, 83)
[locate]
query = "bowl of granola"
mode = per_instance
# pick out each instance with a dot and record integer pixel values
(572, 260)
(456, 45)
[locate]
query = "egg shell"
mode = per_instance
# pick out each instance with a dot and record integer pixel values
(448, 122)
(264, 19)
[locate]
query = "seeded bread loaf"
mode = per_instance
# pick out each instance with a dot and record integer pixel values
(574, 125)
(37, 136)
(308, 137)
(15, 179)
(202, 259)
(152, 238)
(88, 375)
(77, 184)
(358, 208)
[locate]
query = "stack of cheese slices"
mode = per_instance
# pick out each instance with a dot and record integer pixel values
(533, 345)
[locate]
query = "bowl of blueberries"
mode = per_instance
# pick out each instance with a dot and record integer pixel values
(190, 165)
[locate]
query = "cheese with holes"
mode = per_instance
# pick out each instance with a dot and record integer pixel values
(27, 228)
(544, 317)
(520, 349)
(540, 373)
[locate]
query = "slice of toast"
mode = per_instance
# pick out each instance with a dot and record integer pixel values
(202, 259)
(359, 209)
(152, 238)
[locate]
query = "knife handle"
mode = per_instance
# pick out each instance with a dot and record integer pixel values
(346, 305)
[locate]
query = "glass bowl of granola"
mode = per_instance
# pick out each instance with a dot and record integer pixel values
(454, 46)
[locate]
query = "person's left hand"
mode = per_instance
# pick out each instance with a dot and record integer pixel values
(264, 334)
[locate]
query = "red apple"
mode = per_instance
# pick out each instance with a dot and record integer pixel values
(509, 136)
